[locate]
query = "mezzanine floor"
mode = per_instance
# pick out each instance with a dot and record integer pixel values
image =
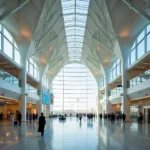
(73, 135)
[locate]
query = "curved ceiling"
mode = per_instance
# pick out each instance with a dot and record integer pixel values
(90, 32)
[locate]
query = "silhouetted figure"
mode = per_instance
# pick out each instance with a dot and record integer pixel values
(19, 118)
(101, 116)
(140, 118)
(112, 118)
(30, 117)
(34, 117)
(124, 118)
(80, 117)
(42, 123)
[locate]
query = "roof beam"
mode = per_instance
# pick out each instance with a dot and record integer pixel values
(136, 9)
(13, 10)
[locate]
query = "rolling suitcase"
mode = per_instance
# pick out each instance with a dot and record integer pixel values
(15, 123)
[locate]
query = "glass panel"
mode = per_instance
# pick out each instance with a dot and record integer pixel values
(15, 45)
(148, 42)
(148, 28)
(118, 70)
(8, 48)
(141, 36)
(31, 60)
(133, 46)
(17, 57)
(75, 15)
(128, 61)
(31, 70)
(35, 65)
(133, 58)
(76, 89)
(118, 61)
(141, 49)
(8, 35)
(27, 67)
(35, 73)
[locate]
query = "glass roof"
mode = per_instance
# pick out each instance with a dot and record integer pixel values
(75, 15)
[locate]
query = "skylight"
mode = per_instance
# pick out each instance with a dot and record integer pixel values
(75, 15)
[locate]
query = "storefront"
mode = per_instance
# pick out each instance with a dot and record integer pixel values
(116, 108)
(8, 106)
(140, 106)
(31, 108)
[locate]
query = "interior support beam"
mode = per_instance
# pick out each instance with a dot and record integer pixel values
(13, 10)
(136, 9)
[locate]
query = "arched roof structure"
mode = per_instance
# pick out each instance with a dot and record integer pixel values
(90, 32)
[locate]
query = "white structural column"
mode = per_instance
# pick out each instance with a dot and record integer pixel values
(125, 102)
(99, 107)
(108, 104)
(23, 102)
(39, 107)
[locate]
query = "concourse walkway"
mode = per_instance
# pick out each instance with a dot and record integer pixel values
(73, 135)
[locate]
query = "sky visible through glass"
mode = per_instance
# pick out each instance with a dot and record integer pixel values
(75, 15)
(77, 86)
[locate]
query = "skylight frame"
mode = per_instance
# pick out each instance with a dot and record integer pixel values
(75, 16)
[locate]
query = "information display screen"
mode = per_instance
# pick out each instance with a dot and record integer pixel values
(46, 97)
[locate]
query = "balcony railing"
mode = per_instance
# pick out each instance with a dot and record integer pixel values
(31, 89)
(141, 78)
(9, 78)
(116, 91)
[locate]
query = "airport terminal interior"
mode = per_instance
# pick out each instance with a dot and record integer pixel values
(83, 64)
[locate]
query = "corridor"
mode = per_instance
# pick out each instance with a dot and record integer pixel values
(73, 135)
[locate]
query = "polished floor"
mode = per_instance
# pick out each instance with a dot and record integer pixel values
(73, 135)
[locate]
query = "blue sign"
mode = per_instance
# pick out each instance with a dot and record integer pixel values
(46, 97)
(3, 104)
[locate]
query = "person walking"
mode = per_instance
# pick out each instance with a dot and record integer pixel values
(141, 118)
(42, 123)
(19, 118)
(124, 118)
(80, 117)
(112, 118)
(30, 117)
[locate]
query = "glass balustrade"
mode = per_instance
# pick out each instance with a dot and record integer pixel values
(9, 78)
(115, 91)
(31, 89)
(139, 79)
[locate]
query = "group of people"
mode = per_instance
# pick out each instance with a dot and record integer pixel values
(90, 116)
(32, 117)
(140, 118)
(113, 117)
(41, 123)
